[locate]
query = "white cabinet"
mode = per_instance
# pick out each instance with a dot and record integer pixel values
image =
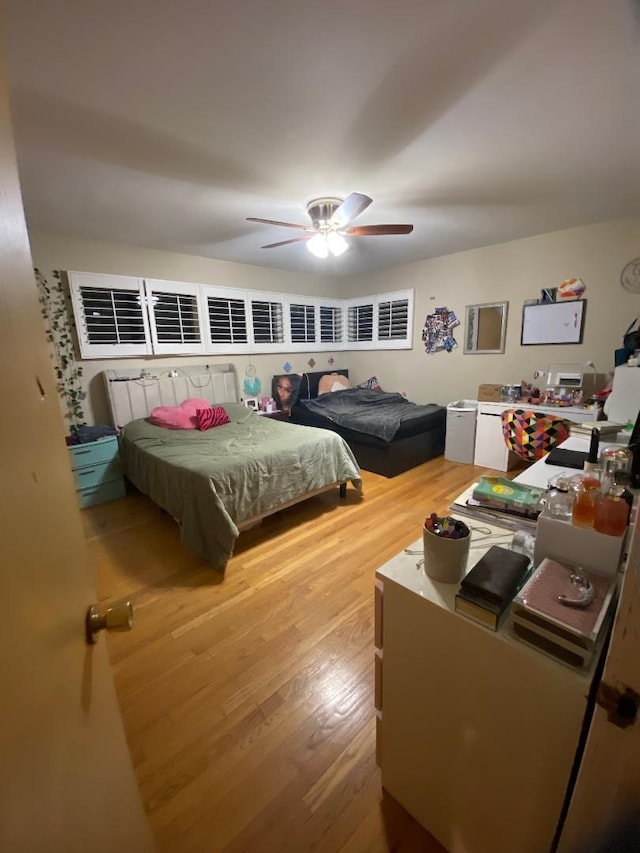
(460, 437)
(477, 732)
(624, 401)
(490, 448)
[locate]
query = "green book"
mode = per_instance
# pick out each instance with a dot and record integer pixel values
(503, 494)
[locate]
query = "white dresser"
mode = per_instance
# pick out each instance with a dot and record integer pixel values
(490, 448)
(476, 732)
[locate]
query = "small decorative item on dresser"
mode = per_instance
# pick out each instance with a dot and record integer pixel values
(446, 548)
(97, 471)
(541, 618)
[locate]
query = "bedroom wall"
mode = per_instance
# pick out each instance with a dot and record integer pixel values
(514, 272)
(53, 251)
(510, 271)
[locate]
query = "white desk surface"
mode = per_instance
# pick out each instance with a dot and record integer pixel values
(540, 472)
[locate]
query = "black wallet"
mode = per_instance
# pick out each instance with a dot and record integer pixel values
(567, 458)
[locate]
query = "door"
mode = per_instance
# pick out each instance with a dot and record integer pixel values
(66, 781)
(606, 798)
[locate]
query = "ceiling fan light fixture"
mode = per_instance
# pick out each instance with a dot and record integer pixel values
(318, 246)
(331, 219)
(324, 244)
(337, 244)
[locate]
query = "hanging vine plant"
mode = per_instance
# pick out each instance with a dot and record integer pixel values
(59, 327)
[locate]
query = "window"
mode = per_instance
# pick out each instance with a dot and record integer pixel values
(120, 316)
(227, 320)
(381, 322)
(110, 313)
(268, 327)
(303, 323)
(174, 312)
(361, 323)
(176, 318)
(392, 319)
(331, 324)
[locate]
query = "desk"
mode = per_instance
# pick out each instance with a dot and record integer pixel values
(540, 472)
(490, 448)
(477, 732)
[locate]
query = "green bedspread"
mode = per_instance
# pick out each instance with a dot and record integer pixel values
(212, 481)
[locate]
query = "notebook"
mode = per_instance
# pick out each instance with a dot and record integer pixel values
(567, 458)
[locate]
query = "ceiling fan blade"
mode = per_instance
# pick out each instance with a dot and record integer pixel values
(285, 224)
(285, 242)
(352, 206)
(375, 230)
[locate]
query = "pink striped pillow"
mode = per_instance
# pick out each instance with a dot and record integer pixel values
(213, 417)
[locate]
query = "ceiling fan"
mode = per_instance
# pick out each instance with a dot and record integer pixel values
(331, 220)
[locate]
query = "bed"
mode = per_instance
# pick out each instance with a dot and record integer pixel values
(219, 481)
(387, 434)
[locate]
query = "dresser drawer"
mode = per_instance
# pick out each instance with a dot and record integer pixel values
(94, 452)
(101, 493)
(97, 474)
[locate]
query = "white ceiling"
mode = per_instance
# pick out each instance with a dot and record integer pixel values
(165, 123)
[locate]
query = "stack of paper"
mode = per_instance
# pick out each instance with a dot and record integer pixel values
(604, 428)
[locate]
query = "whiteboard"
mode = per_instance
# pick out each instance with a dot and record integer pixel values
(553, 322)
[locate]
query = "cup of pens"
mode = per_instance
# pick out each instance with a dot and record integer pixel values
(446, 548)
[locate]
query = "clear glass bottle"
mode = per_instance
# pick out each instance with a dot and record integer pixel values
(523, 543)
(559, 502)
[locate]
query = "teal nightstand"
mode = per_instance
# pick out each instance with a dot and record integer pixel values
(97, 471)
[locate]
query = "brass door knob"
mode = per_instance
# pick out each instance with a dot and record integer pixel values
(116, 618)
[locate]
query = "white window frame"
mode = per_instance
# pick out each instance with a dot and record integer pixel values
(80, 280)
(230, 294)
(146, 290)
(378, 343)
(307, 302)
(157, 286)
(395, 343)
(338, 305)
(276, 299)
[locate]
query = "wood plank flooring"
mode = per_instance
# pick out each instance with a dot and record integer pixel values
(247, 698)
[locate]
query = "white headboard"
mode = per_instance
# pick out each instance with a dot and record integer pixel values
(134, 393)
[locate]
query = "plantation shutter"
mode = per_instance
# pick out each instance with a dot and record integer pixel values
(330, 324)
(393, 317)
(361, 323)
(227, 320)
(176, 325)
(302, 320)
(110, 315)
(268, 327)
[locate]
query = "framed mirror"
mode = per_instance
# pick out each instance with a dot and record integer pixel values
(485, 327)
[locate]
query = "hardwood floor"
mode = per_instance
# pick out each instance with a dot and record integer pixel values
(247, 699)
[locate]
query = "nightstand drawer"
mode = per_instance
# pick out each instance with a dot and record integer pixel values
(95, 475)
(102, 493)
(94, 452)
